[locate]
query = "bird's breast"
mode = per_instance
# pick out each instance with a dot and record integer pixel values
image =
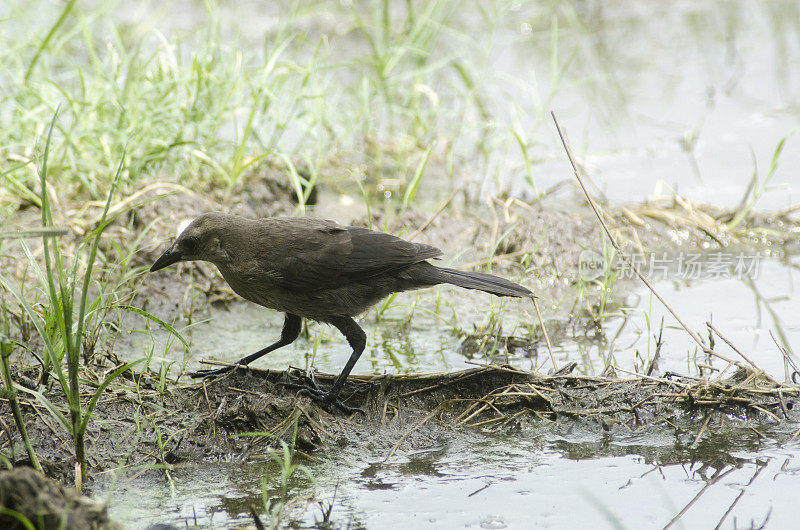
(258, 286)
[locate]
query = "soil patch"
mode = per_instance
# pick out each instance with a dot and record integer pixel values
(45, 504)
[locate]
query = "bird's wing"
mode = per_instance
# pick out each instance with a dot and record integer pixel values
(378, 252)
(331, 255)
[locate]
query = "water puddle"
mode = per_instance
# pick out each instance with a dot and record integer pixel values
(674, 92)
(745, 309)
(493, 482)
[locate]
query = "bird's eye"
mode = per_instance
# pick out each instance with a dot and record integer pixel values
(190, 245)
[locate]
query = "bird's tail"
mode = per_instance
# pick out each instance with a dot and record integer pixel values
(483, 282)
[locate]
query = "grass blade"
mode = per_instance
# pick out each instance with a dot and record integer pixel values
(157, 320)
(49, 37)
(97, 393)
(51, 408)
(411, 189)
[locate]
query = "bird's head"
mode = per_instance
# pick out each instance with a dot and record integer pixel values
(200, 240)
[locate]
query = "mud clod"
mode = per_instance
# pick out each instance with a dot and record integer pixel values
(45, 504)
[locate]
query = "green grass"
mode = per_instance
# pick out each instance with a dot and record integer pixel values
(756, 187)
(63, 330)
(277, 487)
(397, 101)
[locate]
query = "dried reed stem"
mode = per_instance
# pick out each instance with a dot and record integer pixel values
(617, 248)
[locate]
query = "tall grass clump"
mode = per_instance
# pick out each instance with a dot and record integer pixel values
(61, 322)
(403, 82)
(193, 108)
(401, 102)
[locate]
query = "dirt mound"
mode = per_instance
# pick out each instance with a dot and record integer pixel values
(43, 503)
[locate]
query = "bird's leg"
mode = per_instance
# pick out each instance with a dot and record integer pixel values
(289, 333)
(358, 340)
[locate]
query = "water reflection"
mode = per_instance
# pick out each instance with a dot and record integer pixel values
(507, 477)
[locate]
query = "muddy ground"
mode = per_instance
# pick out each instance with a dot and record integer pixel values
(138, 427)
(47, 504)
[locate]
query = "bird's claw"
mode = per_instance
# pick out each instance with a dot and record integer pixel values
(209, 372)
(327, 400)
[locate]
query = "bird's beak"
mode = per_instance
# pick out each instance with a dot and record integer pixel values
(170, 256)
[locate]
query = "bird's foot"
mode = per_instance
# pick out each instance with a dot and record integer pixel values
(327, 400)
(209, 372)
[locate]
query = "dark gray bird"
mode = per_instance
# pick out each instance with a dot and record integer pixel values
(316, 269)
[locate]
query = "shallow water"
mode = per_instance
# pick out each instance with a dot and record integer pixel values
(490, 481)
(648, 77)
(744, 309)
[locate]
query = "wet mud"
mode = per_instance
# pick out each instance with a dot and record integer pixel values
(241, 415)
(28, 497)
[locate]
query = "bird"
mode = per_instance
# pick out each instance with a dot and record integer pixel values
(318, 270)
